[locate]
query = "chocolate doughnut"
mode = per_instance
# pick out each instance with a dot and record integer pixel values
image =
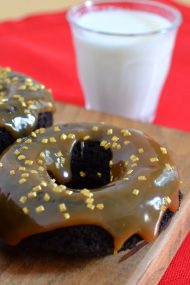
(25, 105)
(86, 189)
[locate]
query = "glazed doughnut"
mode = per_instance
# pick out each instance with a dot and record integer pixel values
(67, 181)
(25, 105)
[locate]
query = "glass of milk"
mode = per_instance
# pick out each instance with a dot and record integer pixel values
(124, 50)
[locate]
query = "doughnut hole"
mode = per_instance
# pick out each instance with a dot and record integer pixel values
(45, 120)
(89, 165)
(6, 139)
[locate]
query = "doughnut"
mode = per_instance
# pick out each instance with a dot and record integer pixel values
(25, 105)
(86, 189)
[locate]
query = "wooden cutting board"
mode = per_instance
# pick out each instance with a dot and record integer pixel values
(146, 266)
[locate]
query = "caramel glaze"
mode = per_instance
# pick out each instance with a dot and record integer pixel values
(21, 101)
(144, 184)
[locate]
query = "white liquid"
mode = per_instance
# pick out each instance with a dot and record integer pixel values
(120, 74)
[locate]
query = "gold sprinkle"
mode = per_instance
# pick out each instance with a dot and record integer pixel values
(107, 146)
(99, 174)
(56, 129)
(134, 158)
(136, 192)
(42, 155)
(142, 178)
(22, 87)
(118, 146)
(40, 209)
(12, 172)
(141, 150)
(133, 164)
(32, 195)
(163, 150)
(24, 147)
(62, 160)
(6, 69)
(43, 184)
(46, 197)
(126, 163)
(62, 207)
(41, 131)
(1, 164)
(23, 104)
(22, 181)
(86, 138)
(63, 137)
(25, 210)
(82, 174)
(110, 132)
(26, 111)
(126, 178)
(86, 193)
(130, 171)
(126, 142)
(37, 188)
(22, 168)
(100, 206)
(163, 208)
(52, 140)
(59, 154)
(19, 140)
(45, 141)
(66, 216)
(28, 162)
(16, 96)
(103, 143)
(33, 171)
(62, 187)
(95, 129)
(28, 141)
(3, 100)
(71, 136)
(16, 152)
(49, 104)
(115, 139)
(168, 166)
(167, 200)
(15, 78)
(23, 199)
(126, 132)
(114, 145)
(154, 159)
(68, 192)
(89, 200)
(90, 206)
(28, 80)
(56, 188)
(40, 162)
(21, 157)
(25, 175)
(111, 163)
(33, 134)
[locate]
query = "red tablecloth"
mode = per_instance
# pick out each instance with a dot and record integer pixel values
(41, 47)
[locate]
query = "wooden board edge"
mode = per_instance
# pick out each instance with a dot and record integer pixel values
(154, 269)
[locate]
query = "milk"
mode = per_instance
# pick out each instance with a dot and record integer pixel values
(123, 66)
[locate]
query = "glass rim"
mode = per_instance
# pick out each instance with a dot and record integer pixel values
(90, 3)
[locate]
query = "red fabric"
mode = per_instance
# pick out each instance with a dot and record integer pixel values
(41, 46)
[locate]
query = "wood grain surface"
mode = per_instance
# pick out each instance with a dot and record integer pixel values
(146, 266)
